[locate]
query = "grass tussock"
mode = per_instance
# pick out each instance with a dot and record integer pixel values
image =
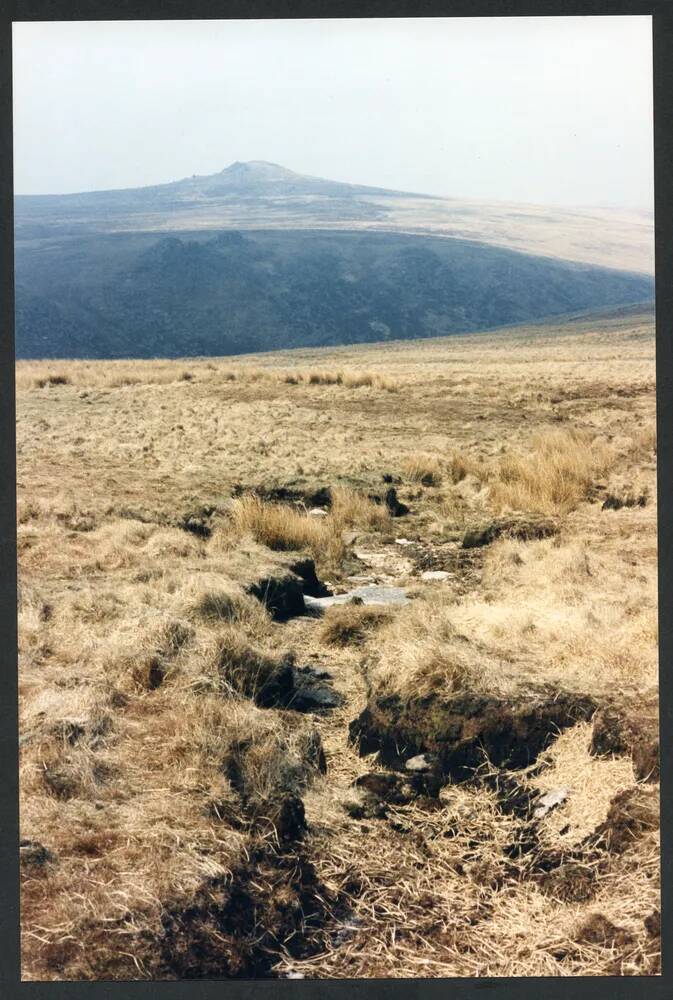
(421, 654)
(461, 465)
(48, 380)
(284, 527)
(280, 526)
(554, 476)
(351, 624)
(353, 509)
(423, 468)
(223, 603)
(347, 379)
(248, 670)
(645, 441)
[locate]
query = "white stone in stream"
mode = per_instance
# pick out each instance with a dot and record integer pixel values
(435, 574)
(549, 801)
(419, 764)
(371, 594)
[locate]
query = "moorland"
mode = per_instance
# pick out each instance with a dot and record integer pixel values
(342, 661)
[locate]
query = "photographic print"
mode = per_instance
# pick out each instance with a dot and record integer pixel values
(336, 498)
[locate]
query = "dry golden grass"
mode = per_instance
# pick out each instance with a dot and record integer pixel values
(141, 651)
(555, 475)
(280, 526)
(283, 527)
(349, 625)
(462, 465)
(121, 374)
(423, 468)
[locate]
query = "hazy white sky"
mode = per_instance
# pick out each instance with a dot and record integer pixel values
(549, 109)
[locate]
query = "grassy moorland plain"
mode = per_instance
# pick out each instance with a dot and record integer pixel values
(215, 784)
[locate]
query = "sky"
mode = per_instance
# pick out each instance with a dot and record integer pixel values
(546, 110)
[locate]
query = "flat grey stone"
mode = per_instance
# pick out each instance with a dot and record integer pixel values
(372, 594)
(435, 574)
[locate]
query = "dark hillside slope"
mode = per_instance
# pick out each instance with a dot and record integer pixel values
(140, 295)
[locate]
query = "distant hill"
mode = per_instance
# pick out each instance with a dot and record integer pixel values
(252, 180)
(262, 195)
(142, 294)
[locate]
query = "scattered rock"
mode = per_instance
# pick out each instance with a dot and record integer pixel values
(549, 801)
(387, 562)
(421, 763)
(435, 575)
